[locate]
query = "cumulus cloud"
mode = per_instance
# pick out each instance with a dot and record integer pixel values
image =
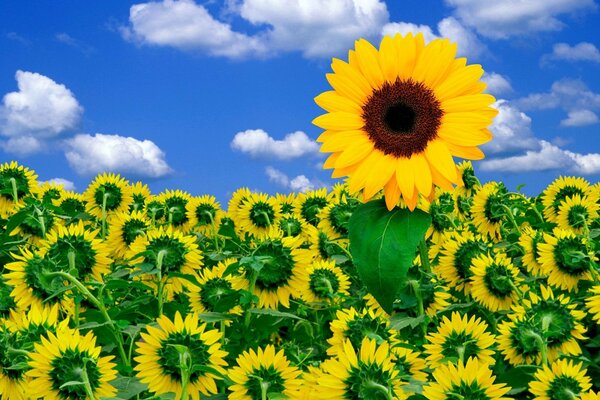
(571, 95)
(298, 184)
(511, 129)
(92, 154)
(450, 27)
(508, 18)
(548, 157)
(580, 118)
(497, 84)
(66, 184)
(312, 27)
(258, 143)
(22, 145)
(41, 108)
(583, 51)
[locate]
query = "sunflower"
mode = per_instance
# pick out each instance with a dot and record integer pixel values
(322, 245)
(238, 198)
(16, 182)
(216, 290)
(286, 202)
(459, 338)
(334, 218)
(155, 210)
(39, 219)
(559, 190)
(257, 216)
(470, 380)
(263, 372)
(354, 326)
(293, 225)
(488, 209)
(363, 372)
(463, 204)
(457, 252)
(566, 260)
(7, 301)
(283, 274)
(403, 111)
(13, 383)
(159, 363)
(409, 364)
(177, 253)
(48, 192)
(441, 209)
(469, 184)
(557, 318)
(309, 204)
(107, 193)
(204, 214)
(495, 282)
(519, 340)
(576, 213)
(562, 380)
(124, 229)
(68, 357)
(325, 282)
(140, 193)
(590, 396)
(30, 287)
(593, 302)
(529, 241)
(76, 247)
(72, 206)
(174, 203)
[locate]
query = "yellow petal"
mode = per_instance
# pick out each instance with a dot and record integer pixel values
(464, 135)
(392, 193)
(342, 139)
(466, 152)
(458, 82)
(326, 135)
(474, 102)
(339, 121)
(383, 168)
(411, 202)
(405, 176)
(368, 61)
(407, 55)
(354, 154)
(347, 88)
(434, 62)
(332, 101)
(352, 72)
(331, 160)
(388, 59)
(422, 174)
(439, 156)
(359, 178)
(346, 171)
(476, 119)
(439, 180)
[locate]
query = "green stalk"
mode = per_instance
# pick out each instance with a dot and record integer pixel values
(88, 295)
(15, 193)
(251, 289)
(416, 287)
(73, 269)
(214, 231)
(86, 383)
(264, 386)
(160, 286)
(511, 217)
(386, 391)
(185, 367)
(424, 255)
(104, 200)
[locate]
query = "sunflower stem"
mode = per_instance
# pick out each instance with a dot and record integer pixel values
(253, 278)
(511, 217)
(424, 255)
(86, 382)
(104, 200)
(345, 251)
(160, 286)
(542, 346)
(374, 386)
(99, 304)
(185, 366)
(264, 386)
(416, 287)
(15, 193)
(213, 229)
(41, 221)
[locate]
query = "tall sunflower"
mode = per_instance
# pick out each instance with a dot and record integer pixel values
(325, 282)
(576, 213)
(174, 203)
(470, 380)
(69, 357)
(561, 189)
(530, 240)
(140, 193)
(593, 302)
(16, 182)
(495, 282)
(159, 363)
(204, 213)
(107, 193)
(216, 292)
(124, 229)
(257, 216)
(403, 111)
(264, 371)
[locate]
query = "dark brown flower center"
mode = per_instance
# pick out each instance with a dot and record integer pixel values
(401, 117)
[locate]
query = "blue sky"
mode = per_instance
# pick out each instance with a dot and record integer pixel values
(209, 96)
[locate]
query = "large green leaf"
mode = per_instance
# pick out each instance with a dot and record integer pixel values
(383, 245)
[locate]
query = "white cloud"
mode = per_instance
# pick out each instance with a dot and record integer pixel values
(70, 41)
(503, 19)
(316, 28)
(313, 27)
(66, 184)
(22, 145)
(89, 155)
(450, 27)
(548, 157)
(187, 26)
(511, 129)
(583, 51)
(41, 108)
(258, 143)
(298, 184)
(497, 84)
(580, 118)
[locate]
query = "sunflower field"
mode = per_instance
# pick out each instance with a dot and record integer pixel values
(410, 280)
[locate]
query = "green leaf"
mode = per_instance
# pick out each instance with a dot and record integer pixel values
(128, 387)
(274, 313)
(383, 245)
(214, 317)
